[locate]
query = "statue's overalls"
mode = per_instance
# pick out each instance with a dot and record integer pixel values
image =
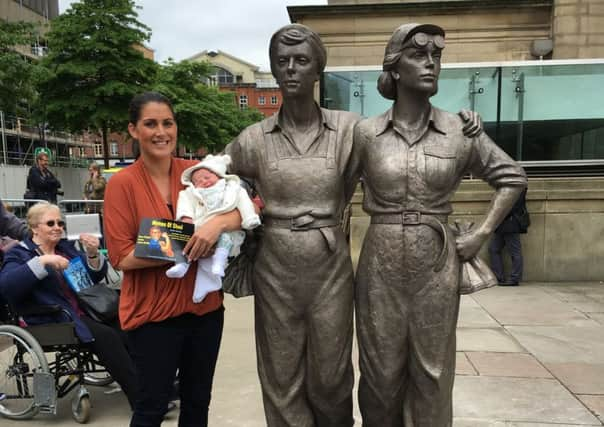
(407, 296)
(303, 280)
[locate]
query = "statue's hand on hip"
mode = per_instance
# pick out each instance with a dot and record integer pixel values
(468, 244)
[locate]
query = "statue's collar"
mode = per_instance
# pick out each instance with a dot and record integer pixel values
(435, 120)
(273, 122)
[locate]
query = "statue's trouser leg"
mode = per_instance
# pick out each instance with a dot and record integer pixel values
(304, 318)
(406, 317)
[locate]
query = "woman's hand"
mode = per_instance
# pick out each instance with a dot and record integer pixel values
(90, 244)
(202, 242)
(56, 262)
(468, 244)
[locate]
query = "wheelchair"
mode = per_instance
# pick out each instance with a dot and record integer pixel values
(31, 382)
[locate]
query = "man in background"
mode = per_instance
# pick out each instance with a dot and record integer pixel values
(508, 235)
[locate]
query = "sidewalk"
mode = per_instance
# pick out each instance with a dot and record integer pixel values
(531, 356)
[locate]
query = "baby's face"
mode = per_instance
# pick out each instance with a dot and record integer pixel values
(203, 178)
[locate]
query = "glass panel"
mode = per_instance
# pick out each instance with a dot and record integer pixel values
(547, 112)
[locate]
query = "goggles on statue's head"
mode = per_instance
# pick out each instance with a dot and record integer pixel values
(421, 40)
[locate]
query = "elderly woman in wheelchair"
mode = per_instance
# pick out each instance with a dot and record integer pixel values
(34, 286)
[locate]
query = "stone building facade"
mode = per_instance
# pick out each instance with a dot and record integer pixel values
(565, 241)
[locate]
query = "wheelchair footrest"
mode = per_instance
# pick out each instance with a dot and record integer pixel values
(45, 393)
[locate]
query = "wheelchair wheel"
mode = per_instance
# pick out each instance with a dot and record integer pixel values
(80, 409)
(20, 358)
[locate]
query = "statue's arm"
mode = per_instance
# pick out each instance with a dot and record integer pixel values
(354, 168)
(491, 163)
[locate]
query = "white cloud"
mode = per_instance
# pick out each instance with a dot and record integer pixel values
(182, 28)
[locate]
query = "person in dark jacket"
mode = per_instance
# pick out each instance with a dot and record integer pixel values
(32, 276)
(10, 225)
(41, 183)
(508, 235)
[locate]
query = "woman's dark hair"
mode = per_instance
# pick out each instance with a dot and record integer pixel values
(142, 99)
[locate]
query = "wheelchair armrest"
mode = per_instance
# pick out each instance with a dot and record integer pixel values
(41, 310)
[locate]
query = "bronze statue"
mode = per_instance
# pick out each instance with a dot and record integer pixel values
(412, 159)
(303, 280)
(299, 161)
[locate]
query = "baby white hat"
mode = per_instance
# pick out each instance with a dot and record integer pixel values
(217, 164)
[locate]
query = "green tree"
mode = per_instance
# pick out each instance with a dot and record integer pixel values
(17, 72)
(207, 117)
(94, 68)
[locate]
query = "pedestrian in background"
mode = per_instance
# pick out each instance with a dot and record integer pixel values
(94, 188)
(41, 183)
(508, 235)
(12, 229)
(10, 225)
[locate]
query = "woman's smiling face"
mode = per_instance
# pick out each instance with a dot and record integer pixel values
(49, 229)
(156, 130)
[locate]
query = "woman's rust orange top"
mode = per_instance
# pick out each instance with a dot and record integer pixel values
(147, 294)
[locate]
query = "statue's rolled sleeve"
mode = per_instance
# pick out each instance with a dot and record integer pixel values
(491, 163)
(244, 160)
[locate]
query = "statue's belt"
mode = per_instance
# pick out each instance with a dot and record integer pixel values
(307, 222)
(301, 223)
(407, 218)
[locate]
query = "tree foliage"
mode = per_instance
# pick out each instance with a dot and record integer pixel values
(17, 73)
(206, 117)
(93, 66)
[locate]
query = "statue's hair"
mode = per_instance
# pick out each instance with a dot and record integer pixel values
(394, 49)
(294, 34)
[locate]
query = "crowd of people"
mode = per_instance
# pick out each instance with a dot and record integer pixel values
(305, 163)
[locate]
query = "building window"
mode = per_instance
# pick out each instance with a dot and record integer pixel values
(243, 102)
(98, 149)
(261, 100)
(221, 76)
(113, 148)
(273, 100)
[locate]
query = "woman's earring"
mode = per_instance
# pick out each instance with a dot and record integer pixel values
(395, 75)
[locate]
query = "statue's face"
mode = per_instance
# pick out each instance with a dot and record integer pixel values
(419, 65)
(295, 69)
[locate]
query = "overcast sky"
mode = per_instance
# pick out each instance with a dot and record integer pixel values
(182, 28)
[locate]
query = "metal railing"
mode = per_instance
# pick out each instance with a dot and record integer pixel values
(72, 206)
(68, 206)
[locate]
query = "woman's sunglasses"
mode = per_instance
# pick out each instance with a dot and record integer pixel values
(52, 223)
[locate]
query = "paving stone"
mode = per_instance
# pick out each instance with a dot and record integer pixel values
(487, 339)
(507, 365)
(468, 301)
(463, 365)
(475, 317)
(514, 399)
(558, 344)
(580, 378)
(473, 422)
(236, 395)
(595, 404)
(598, 317)
(470, 422)
(587, 305)
(529, 305)
(549, 425)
